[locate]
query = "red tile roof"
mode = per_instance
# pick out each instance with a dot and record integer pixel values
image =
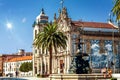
(20, 58)
(93, 24)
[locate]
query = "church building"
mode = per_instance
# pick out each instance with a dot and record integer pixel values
(100, 40)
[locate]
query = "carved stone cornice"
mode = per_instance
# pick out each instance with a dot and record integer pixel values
(93, 37)
(97, 33)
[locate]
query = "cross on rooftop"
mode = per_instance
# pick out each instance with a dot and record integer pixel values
(62, 2)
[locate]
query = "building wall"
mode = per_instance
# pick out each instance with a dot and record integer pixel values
(1, 65)
(4, 58)
(12, 67)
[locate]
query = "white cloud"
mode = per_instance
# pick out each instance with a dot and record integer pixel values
(24, 20)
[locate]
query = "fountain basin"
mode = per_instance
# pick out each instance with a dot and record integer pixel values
(77, 77)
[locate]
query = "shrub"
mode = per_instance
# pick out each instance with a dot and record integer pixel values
(113, 79)
(38, 75)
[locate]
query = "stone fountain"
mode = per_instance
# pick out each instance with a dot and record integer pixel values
(79, 69)
(80, 64)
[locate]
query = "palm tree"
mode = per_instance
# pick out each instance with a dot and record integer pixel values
(51, 39)
(116, 9)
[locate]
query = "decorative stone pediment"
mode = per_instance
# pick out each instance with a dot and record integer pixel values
(63, 21)
(63, 26)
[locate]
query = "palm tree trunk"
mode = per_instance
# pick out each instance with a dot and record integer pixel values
(50, 60)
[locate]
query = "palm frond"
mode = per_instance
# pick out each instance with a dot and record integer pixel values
(50, 36)
(116, 9)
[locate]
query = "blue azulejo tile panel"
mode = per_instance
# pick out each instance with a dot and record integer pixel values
(105, 59)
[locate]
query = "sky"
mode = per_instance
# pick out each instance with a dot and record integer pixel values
(17, 17)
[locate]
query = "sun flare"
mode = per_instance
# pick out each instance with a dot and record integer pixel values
(9, 25)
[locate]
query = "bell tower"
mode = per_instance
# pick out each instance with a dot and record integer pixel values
(38, 25)
(42, 18)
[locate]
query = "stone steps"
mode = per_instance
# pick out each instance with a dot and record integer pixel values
(78, 77)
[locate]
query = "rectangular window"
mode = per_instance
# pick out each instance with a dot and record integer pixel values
(35, 33)
(74, 49)
(39, 51)
(46, 52)
(35, 50)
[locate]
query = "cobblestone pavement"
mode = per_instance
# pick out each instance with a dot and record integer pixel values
(34, 78)
(23, 78)
(30, 78)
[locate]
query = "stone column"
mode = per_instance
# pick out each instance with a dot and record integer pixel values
(47, 65)
(33, 62)
(44, 65)
(65, 63)
(37, 66)
(53, 64)
(58, 64)
(68, 63)
(41, 72)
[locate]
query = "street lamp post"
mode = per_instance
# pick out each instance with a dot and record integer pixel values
(119, 42)
(107, 62)
(113, 52)
(90, 60)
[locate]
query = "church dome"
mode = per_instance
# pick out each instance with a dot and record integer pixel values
(42, 18)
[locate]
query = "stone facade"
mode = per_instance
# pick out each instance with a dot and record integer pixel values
(99, 40)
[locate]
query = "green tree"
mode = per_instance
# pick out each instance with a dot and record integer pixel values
(30, 66)
(51, 39)
(26, 67)
(116, 9)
